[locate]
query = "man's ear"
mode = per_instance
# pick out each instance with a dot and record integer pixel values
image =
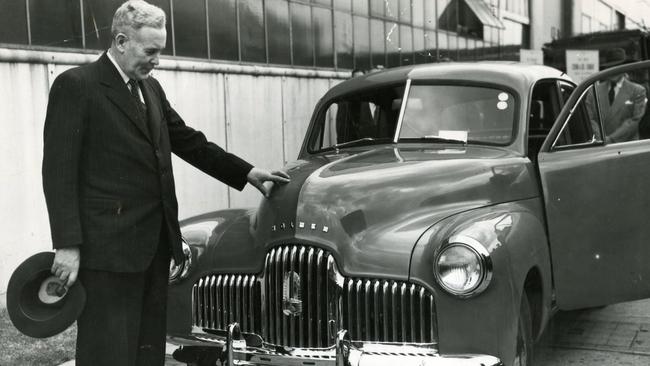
(120, 41)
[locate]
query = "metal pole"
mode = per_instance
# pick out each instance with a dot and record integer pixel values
(29, 27)
(207, 27)
(83, 26)
(171, 17)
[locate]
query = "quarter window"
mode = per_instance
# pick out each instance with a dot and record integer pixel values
(583, 125)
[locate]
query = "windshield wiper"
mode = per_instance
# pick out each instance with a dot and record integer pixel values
(361, 141)
(442, 139)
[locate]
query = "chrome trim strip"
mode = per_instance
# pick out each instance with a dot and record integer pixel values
(305, 290)
(385, 307)
(292, 319)
(320, 322)
(400, 119)
(423, 324)
(375, 292)
(310, 281)
(245, 302)
(393, 293)
(285, 319)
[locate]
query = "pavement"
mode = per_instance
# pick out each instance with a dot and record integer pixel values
(612, 335)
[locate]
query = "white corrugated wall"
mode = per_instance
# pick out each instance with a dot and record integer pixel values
(260, 113)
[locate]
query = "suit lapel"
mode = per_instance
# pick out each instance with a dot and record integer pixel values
(153, 111)
(118, 93)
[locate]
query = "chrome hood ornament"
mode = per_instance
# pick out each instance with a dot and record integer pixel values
(291, 297)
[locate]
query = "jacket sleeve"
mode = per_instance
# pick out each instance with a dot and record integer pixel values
(193, 147)
(63, 139)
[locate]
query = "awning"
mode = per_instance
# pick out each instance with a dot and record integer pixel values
(484, 14)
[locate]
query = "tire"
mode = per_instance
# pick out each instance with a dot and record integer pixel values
(524, 350)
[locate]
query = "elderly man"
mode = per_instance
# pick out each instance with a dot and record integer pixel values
(109, 187)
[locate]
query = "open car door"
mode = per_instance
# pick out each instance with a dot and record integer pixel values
(595, 174)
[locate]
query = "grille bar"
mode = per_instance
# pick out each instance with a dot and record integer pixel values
(301, 300)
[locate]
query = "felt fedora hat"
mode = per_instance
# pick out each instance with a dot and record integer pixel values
(37, 303)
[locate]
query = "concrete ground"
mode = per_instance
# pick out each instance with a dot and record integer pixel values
(613, 335)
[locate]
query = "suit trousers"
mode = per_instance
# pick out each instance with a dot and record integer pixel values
(124, 319)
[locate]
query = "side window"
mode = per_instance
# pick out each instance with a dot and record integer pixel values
(583, 126)
(544, 109)
(565, 91)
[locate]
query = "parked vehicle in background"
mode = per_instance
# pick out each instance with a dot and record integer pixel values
(437, 215)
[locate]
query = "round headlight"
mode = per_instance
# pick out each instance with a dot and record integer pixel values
(463, 267)
(179, 271)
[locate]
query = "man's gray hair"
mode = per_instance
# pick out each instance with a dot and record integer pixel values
(135, 14)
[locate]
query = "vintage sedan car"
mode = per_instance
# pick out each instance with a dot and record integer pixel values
(437, 215)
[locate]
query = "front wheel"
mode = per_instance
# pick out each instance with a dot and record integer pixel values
(524, 355)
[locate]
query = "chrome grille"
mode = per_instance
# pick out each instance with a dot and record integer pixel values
(388, 311)
(219, 300)
(370, 309)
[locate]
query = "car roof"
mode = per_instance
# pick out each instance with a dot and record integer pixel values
(515, 75)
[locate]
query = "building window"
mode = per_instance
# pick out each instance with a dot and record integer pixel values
(252, 41)
(344, 41)
(98, 16)
(323, 41)
(223, 30)
(56, 26)
(13, 22)
(277, 27)
(361, 42)
(301, 33)
(189, 31)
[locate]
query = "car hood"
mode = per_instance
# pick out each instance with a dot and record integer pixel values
(369, 207)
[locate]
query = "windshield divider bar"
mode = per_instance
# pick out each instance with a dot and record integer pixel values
(402, 110)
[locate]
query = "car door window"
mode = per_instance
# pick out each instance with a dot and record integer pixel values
(622, 100)
(583, 126)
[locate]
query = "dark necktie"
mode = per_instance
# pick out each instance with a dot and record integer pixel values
(612, 93)
(141, 107)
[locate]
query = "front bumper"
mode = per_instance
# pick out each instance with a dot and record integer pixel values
(233, 347)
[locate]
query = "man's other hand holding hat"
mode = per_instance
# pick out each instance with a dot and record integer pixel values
(66, 265)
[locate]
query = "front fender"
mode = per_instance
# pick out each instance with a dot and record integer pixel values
(216, 227)
(514, 235)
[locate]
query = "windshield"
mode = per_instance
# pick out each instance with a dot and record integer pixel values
(463, 113)
(364, 118)
(433, 113)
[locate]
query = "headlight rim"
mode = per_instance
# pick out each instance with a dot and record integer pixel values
(185, 266)
(484, 259)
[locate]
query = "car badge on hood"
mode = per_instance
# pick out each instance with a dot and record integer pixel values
(291, 297)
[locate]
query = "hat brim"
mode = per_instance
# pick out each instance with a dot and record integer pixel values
(28, 313)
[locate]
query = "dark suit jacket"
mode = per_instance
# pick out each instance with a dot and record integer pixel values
(107, 179)
(621, 119)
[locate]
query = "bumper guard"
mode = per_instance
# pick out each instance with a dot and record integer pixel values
(234, 348)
